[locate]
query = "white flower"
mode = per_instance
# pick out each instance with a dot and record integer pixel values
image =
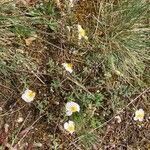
(68, 67)
(69, 126)
(81, 33)
(72, 107)
(28, 96)
(139, 115)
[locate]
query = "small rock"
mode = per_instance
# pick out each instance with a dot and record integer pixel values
(20, 119)
(118, 119)
(1, 109)
(6, 126)
(38, 144)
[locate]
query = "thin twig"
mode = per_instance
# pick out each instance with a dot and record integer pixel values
(145, 91)
(29, 128)
(19, 130)
(80, 85)
(11, 112)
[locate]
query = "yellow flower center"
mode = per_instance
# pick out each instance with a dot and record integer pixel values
(31, 94)
(140, 115)
(82, 32)
(73, 108)
(71, 128)
(69, 66)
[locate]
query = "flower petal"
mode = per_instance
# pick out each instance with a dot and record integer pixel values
(140, 119)
(68, 113)
(135, 118)
(66, 125)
